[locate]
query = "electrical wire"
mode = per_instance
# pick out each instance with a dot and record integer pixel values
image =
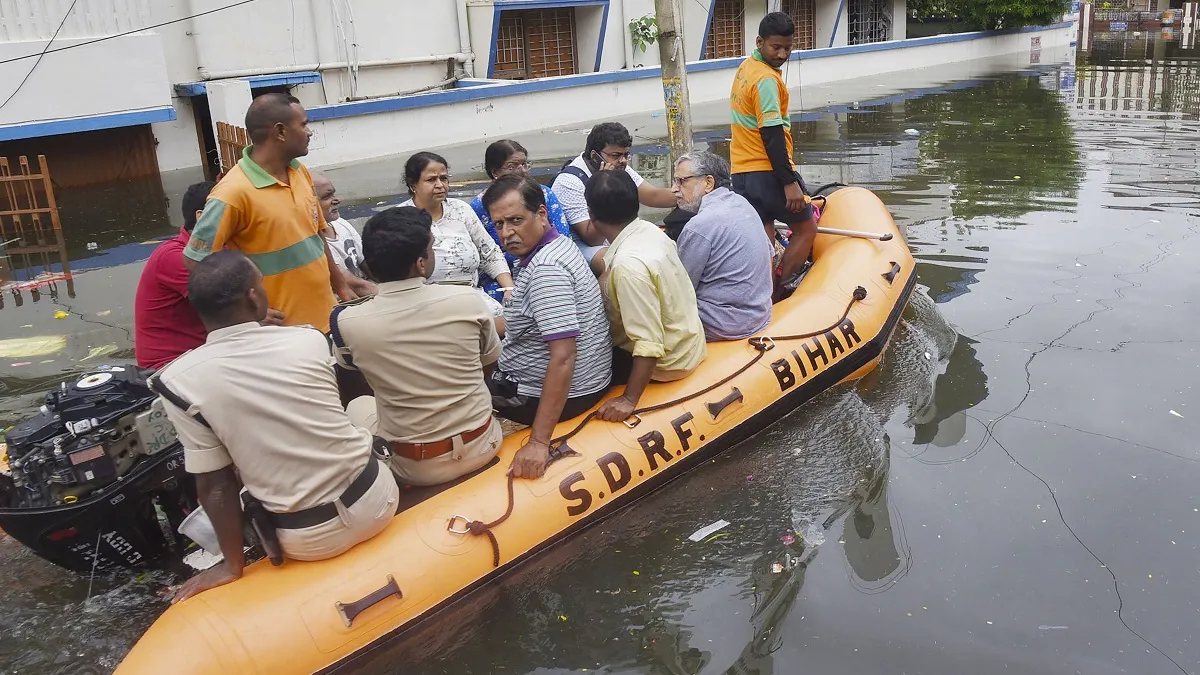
(44, 51)
(128, 32)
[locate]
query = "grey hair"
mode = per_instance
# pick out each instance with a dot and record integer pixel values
(708, 164)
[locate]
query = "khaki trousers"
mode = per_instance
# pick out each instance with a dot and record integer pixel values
(364, 519)
(463, 459)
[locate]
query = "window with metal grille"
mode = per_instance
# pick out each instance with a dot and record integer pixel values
(726, 31)
(803, 13)
(869, 21)
(535, 43)
(510, 47)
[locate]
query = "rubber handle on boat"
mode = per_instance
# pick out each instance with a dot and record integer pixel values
(348, 611)
(717, 407)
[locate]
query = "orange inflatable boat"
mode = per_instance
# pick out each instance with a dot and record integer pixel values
(310, 617)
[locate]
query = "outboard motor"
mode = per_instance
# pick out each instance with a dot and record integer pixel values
(96, 478)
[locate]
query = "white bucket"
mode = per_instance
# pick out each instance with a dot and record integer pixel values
(199, 529)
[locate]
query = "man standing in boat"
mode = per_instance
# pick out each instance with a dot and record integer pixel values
(267, 208)
(424, 349)
(761, 148)
(259, 406)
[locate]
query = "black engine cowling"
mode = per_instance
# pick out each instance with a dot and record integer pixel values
(91, 477)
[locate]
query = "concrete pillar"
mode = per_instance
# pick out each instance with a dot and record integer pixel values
(899, 19)
(228, 101)
(831, 23)
(753, 15)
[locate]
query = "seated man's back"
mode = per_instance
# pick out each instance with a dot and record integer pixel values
(259, 406)
(270, 395)
(423, 348)
(647, 287)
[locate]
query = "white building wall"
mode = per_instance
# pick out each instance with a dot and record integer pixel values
(402, 131)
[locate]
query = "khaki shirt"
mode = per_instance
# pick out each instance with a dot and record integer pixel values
(271, 397)
(422, 348)
(651, 303)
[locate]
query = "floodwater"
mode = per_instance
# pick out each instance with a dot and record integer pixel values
(1012, 491)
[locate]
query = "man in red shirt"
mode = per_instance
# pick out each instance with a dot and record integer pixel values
(165, 325)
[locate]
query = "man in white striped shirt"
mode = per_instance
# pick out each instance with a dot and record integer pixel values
(557, 358)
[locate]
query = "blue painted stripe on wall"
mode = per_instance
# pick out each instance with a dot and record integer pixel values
(12, 132)
(837, 20)
(492, 45)
(488, 91)
(546, 4)
(712, 8)
(201, 89)
(603, 30)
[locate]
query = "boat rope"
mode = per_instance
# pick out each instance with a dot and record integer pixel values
(559, 448)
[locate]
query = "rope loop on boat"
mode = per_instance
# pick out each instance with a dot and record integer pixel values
(559, 448)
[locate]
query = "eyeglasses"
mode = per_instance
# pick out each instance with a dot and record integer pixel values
(515, 166)
(679, 181)
(615, 156)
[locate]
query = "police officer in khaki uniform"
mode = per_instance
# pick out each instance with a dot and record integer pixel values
(425, 350)
(264, 400)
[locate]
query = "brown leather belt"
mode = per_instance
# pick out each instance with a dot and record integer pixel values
(437, 448)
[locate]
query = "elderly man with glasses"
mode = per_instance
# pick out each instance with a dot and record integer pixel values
(722, 249)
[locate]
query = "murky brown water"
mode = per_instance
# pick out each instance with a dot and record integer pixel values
(1011, 492)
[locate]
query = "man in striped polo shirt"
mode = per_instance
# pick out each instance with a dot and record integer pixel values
(761, 151)
(266, 208)
(556, 361)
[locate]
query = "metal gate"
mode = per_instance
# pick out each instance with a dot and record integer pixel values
(30, 230)
(869, 21)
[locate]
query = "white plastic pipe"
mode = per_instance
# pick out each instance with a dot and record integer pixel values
(460, 57)
(464, 39)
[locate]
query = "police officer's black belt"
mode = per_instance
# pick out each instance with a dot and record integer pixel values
(324, 513)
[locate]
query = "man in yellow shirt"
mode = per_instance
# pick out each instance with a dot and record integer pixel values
(266, 208)
(648, 295)
(761, 148)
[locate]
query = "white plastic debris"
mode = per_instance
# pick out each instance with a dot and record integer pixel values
(201, 560)
(1174, 413)
(92, 246)
(912, 132)
(708, 529)
(813, 535)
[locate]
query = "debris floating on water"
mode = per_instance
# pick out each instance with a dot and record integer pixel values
(92, 246)
(788, 539)
(1045, 627)
(814, 535)
(707, 530)
(912, 132)
(1174, 413)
